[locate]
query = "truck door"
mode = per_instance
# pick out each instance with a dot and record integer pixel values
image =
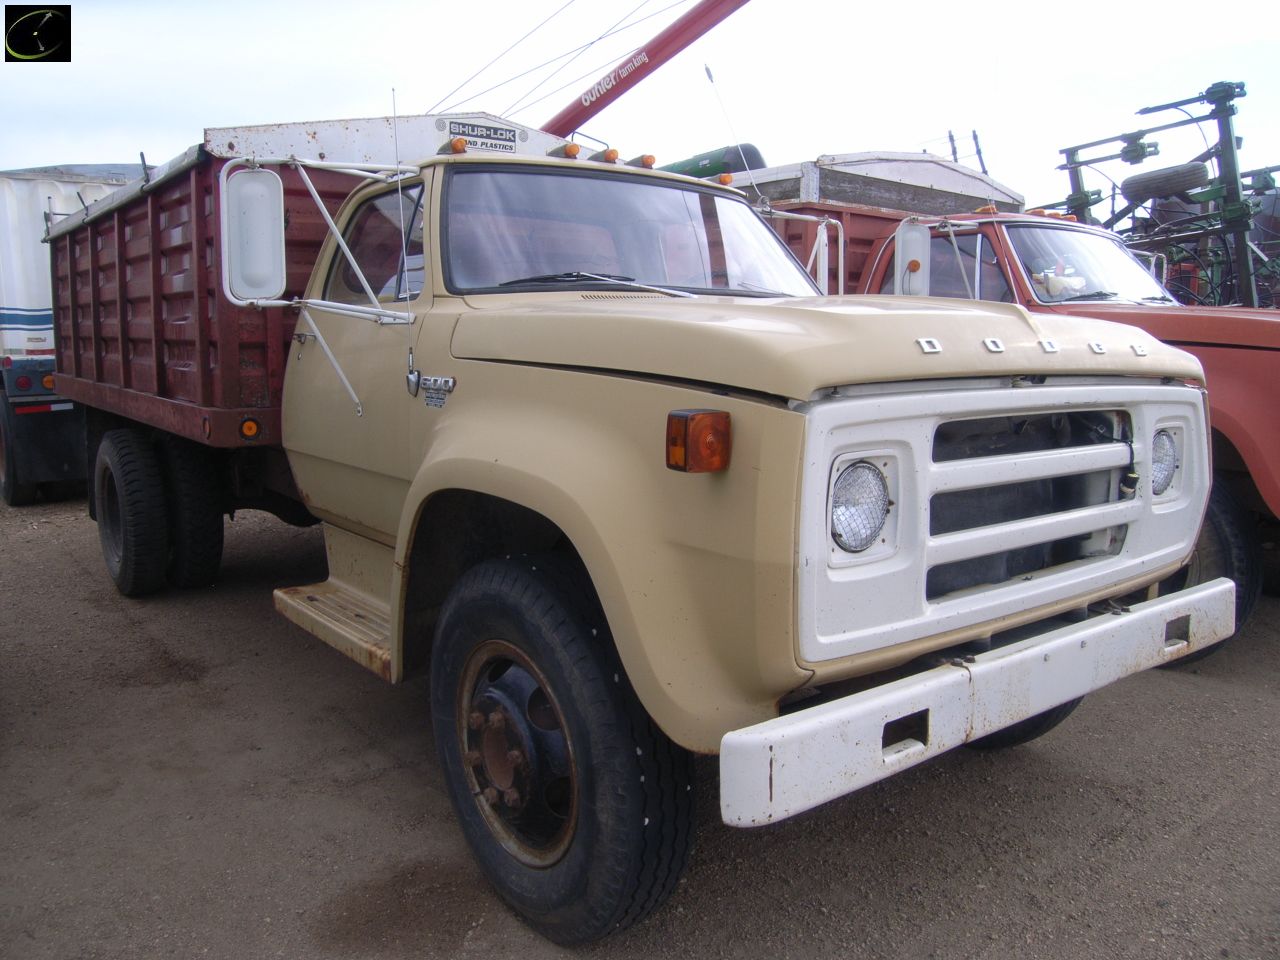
(347, 447)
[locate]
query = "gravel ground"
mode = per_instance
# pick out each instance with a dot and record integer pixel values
(193, 776)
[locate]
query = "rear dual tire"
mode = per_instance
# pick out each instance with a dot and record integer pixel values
(128, 493)
(159, 512)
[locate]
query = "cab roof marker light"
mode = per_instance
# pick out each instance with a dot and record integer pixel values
(645, 160)
(569, 151)
(725, 179)
(605, 156)
(455, 145)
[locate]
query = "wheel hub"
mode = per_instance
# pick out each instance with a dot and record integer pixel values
(518, 754)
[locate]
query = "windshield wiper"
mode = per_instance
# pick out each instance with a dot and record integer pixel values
(1096, 295)
(568, 277)
(1160, 299)
(757, 288)
(577, 276)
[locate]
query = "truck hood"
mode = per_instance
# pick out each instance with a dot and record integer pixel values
(1212, 326)
(794, 347)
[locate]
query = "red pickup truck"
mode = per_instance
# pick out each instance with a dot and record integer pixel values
(1053, 265)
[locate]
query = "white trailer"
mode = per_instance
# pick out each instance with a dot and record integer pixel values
(41, 434)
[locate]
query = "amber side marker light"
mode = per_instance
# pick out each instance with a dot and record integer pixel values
(249, 429)
(47, 381)
(698, 441)
(725, 179)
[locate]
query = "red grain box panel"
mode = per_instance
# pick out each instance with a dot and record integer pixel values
(142, 326)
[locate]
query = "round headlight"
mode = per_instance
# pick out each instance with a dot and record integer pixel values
(859, 506)
(1164, 461)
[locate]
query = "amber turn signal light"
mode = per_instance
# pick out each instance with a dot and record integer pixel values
(250, 428)
(698, 441)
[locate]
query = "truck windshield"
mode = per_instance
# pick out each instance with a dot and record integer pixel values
(1065, 264)
(513, 229)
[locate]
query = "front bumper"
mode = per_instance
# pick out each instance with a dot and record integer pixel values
(776, 769)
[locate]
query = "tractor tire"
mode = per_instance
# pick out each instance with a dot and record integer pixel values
(1168, 182)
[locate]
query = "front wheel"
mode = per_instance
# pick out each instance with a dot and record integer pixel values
(578, 809)
(1024, 731)
(1228, 546)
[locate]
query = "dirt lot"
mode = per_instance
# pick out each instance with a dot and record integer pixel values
(193, 776)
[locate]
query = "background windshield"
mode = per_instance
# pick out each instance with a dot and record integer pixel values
(509, 225)
(1066, 264)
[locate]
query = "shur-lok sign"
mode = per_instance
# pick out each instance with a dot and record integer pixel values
(484, 136)
(610, 80)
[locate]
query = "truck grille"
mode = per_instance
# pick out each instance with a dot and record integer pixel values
(1073, 489)
(1003, 500)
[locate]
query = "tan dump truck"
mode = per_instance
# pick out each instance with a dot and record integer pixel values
(587, 444)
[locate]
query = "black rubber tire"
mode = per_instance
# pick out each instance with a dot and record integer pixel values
(1026, 730)
(626, 834)
(1167, 182)
(15, 494)
(194, 496)
(129, 502)
(1228, 546)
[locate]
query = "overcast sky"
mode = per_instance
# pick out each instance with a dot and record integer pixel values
(798, 78)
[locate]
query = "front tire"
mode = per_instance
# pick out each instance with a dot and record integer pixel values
(577, 808)
(1228, 546)
(130, 506)
(1024, 731)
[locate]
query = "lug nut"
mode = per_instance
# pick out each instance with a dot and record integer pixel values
(472, 758)
(515, 758)
(496, 720)
(511, 797)
(475, 720)
(490, 795)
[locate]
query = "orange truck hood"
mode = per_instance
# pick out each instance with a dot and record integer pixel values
(794, 347)
(1215, 326)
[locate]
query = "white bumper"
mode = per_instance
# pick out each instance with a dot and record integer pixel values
(776, 769)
